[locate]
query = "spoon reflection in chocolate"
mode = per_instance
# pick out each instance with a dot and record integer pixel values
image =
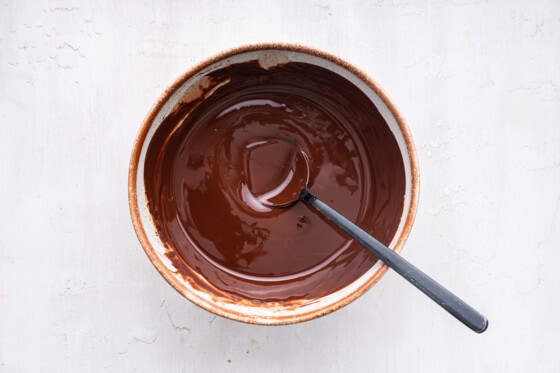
(286, 170)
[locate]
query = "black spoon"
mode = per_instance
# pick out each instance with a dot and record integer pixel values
(294, 189)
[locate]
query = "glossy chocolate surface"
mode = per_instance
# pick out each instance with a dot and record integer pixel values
(211, 160)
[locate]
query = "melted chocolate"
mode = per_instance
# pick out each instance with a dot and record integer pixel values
(211, 159)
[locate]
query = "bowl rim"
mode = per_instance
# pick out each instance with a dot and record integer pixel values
(279, 319)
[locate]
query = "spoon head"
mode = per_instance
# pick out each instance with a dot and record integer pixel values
(277, 171)
(290, 190)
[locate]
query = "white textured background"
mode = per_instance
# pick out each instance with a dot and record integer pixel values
(478, 83)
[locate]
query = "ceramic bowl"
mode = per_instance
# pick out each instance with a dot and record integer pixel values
(188, 88)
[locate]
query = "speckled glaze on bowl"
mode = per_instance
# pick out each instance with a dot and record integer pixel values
(188, 87)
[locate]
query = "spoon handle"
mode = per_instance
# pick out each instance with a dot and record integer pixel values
(449, 301)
